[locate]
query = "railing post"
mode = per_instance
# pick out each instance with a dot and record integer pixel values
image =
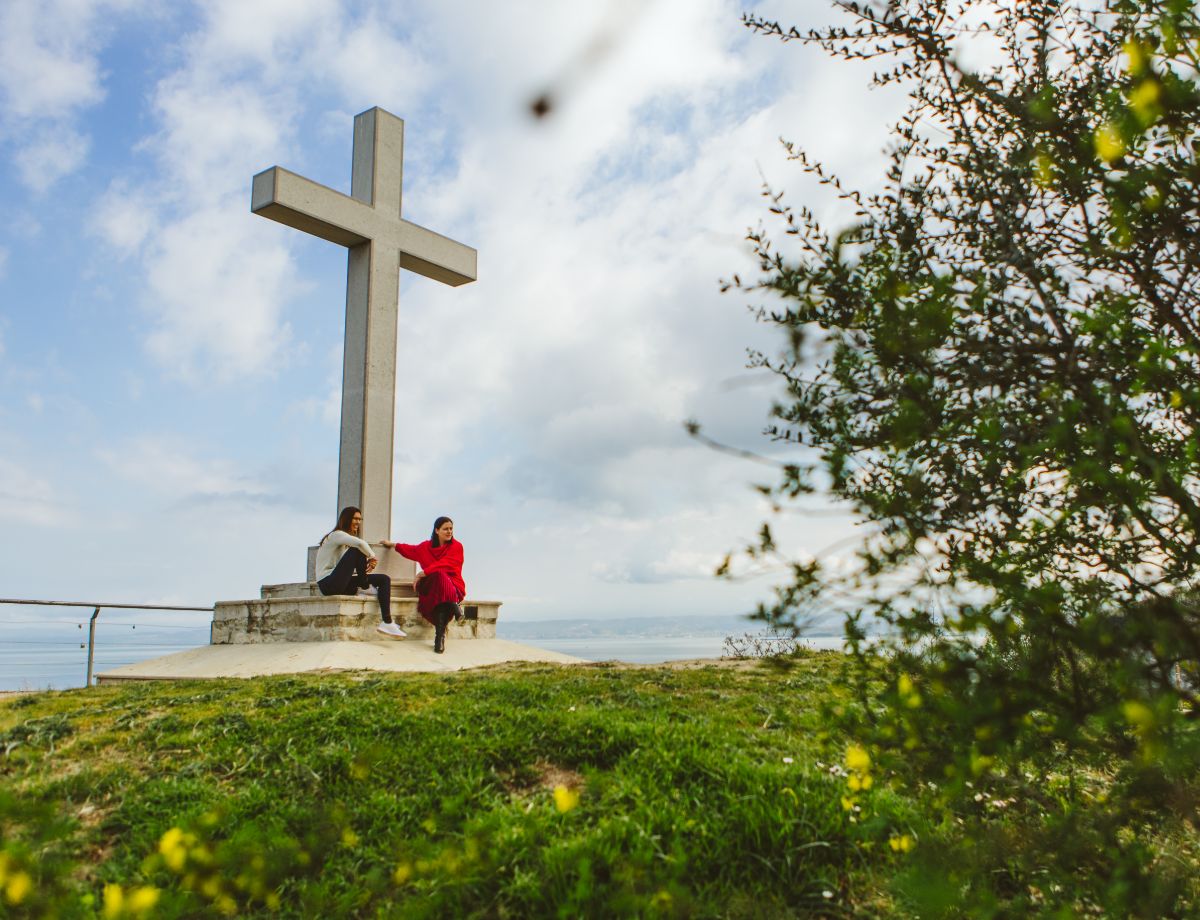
(91, 644)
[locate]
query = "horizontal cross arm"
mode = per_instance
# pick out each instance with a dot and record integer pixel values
(436, 256)
(301, 203)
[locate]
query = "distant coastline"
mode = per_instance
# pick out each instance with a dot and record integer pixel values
(648, 627)
(52, 655)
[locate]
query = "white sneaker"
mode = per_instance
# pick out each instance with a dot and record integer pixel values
(368, 591)
(391, 629)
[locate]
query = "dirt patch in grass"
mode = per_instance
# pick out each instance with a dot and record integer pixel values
(540, 776)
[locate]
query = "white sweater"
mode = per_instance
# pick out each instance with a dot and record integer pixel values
(334, 546)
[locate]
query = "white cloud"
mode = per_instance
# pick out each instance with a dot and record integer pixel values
(48, 69)
(168, 466)
(49, 73)
(216, 279)
(216, 133)
(51, 155)
(267, 33)
(124, 217)
(676, 565)
(29, 499)
(3, 271)
(215, 286)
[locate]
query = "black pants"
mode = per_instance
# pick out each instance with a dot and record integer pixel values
(350, 574)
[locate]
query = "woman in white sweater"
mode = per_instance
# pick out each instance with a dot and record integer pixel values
(346, 563)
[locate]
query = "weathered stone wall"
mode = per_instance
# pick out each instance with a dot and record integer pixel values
(299, 613)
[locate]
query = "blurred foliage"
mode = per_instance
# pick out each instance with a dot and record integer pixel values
(996, 365)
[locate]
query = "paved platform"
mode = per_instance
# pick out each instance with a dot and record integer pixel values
(213, 661)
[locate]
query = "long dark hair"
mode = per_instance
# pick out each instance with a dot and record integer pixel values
(433, 537)
(344, 519)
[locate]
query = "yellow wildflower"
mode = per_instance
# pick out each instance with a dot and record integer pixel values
(403, 873)
(173, 849)
(349, 838)
(114, 901)
(1139, 715)
(859, 782)
(1143, 101)
(1136, 56)
(1043, 170)
(1110, 146)
(565, 799)
(142, 900)
(19, 885)
(901, 843)
(857, 758)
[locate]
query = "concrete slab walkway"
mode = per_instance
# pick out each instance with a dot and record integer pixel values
(213, 661)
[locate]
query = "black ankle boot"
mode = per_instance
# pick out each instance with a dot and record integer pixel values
(441, 617)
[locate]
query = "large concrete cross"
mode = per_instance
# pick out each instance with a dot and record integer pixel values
(368, 223)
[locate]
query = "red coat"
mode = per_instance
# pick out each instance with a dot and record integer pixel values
(446, 558)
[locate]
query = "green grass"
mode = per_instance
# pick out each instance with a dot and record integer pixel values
(710, 791)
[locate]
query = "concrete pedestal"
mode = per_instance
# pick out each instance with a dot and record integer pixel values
(300, 613)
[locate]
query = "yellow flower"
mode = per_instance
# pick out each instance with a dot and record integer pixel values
(1139, 715)
(1143, 101)
(857, 758)
(142, 900)
(403, 873)
(901, 843)
(18, 886)
(565, 799)
(1043, 170)
(349, 838)
(847, 803)
(173, 849)
(1137, 56)
(114, 901)
(1110, 146)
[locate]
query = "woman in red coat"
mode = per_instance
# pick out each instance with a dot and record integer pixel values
(440, 585)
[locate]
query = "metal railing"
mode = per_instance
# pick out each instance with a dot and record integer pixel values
(96, 608)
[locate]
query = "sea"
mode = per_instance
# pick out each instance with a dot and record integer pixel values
(47, 649)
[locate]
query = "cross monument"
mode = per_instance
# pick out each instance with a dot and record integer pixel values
(380, 243)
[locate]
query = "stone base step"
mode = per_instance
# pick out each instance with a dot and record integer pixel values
(298, 616)
(310, 589)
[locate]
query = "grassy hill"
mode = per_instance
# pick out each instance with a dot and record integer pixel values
(521, 791)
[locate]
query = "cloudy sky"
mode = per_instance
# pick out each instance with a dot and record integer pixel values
(171, 363)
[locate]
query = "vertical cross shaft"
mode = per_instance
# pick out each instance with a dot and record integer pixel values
(369, 357)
